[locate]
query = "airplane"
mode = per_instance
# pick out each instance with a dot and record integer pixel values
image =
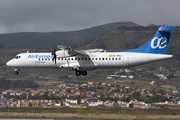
(82, 61)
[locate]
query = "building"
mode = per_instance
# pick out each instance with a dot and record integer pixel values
(109, 103)
(4, 104)
(72, 101)
(87, 100)
(98, 103)
(30, 103)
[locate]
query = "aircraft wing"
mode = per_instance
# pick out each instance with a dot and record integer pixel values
(71, 51)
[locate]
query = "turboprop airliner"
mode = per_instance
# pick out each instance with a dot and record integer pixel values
(82, 61)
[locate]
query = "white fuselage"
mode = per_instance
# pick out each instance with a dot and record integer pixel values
(104, 60)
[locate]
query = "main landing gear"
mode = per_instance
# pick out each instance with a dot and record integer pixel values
(79, 72)
(16, 71)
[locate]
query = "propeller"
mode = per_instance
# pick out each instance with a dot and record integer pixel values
(54, 54)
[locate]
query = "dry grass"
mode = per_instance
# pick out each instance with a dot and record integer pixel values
(48, 82)
(168, 87)
(88, 116)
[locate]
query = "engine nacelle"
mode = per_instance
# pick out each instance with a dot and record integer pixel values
(62, 53)
(93, 50)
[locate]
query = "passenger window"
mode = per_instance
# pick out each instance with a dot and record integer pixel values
(71, 58)
(92, 58)
(39, 59)
(89, 58)
(79, 59)
(19, 57)
(109, 58)
(96, 58)
(102, 58)
(85, 58)
(99, 58)
(112, 58)
(106, 58)
(119, 58)
(75, 58)
(42, 59)
(82, 58)
(58, 58)
(116, 58)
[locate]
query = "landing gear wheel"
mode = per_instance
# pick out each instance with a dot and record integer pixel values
(16, 72)
(78, 73)
(84, 73)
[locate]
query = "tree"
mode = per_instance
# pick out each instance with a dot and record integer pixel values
(125, 99)
(136, 94)
(45, 96)
(158, 98)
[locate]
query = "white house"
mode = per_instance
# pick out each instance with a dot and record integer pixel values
(109, 103)
(2, 104)
(72, 101)
(2, 99)
(98, 103)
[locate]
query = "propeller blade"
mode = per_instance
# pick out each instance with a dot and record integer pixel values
(54, 54)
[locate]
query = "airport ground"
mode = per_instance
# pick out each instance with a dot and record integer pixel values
(90, 113)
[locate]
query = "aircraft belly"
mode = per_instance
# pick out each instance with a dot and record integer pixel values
(110, 64)
(138, 59)
(88, 66)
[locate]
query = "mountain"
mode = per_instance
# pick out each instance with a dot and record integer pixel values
(46, 40)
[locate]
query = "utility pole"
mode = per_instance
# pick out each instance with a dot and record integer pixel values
(26, 100)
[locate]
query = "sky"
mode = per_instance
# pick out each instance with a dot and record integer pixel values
(70, 15)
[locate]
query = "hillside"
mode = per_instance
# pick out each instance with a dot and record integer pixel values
(46, 40)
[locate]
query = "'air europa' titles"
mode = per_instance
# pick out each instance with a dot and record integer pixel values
(40, 56)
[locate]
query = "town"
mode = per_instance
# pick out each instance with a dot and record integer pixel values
(100, 94)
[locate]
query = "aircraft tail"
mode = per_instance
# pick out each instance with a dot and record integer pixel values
(158, 44)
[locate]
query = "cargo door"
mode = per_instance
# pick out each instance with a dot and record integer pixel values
(126, 59)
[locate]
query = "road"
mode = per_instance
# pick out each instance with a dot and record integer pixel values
(70, 110)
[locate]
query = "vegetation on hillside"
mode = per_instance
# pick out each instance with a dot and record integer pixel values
(9, 84)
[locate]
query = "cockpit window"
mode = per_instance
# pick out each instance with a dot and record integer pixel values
(17, 57)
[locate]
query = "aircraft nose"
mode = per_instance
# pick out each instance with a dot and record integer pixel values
(8, 63)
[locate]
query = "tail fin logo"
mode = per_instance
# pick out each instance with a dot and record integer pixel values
(160, 44)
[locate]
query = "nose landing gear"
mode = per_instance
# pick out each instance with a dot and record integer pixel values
(16, 71)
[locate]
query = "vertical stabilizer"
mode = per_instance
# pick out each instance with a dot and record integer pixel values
(158, 44)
